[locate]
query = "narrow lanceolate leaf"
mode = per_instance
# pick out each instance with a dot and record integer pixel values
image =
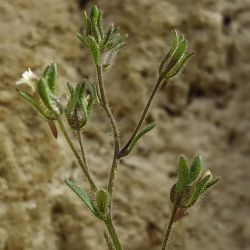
(93, 93)
(86, 21)
(173, 48)
(40, 107)
(108, 34)
(83, 196)
(99, 24)
(183, 175)
(83, 39)
(94, 15)
(196, 195)
(199, 190)
(210, 184)
(138, 137)
(195, 168)
(95, 50)
(50, 74)
(47, 96)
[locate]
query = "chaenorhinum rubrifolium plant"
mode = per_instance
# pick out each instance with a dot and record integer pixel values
(103, 45)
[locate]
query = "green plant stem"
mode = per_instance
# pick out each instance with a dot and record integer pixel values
(112, 233)
(114, 126)
(81, 163)
(171, 221)
(79, 137)
(169, 228)
(143, 116)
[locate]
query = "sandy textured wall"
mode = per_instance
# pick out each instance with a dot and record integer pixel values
(205, 109)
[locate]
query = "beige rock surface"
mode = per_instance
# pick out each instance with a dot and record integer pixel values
(205, 110)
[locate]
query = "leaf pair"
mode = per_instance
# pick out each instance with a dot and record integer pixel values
(175, 58)
(80, 104)
(44, 98)
(100, 209)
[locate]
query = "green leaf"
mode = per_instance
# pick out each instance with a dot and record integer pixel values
(47, 96)
(94, 14)
(210, 184)
(70, 87)
(99, 24)
(95, 50)
(50, 75)
(108, 34)
(83, 39)
(137, 137)
(93, 92)
(199, 190)
(83, 196)
(195, 168)
(86, 22)
(179, 51)
(40, 107)
(183, 175)
(173, 48)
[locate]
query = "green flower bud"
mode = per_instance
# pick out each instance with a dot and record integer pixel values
(176, 57)
(103, 44)
(190, 186)
(102, 201)
(80, 104)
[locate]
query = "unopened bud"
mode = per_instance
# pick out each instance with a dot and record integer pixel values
(102, 200)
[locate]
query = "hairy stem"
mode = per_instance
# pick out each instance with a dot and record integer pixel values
(79, 137)
(143, 116)
(81, 163)
(169, 228)
(114, 126)
(112, 233)
(171, 222)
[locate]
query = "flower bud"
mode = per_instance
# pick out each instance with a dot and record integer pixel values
(190, 186)
(80, 104)
(176, 57)
(102, 201)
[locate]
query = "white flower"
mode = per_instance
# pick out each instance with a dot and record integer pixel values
(29, 79)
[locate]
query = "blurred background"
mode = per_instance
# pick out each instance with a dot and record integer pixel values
(206, 110)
